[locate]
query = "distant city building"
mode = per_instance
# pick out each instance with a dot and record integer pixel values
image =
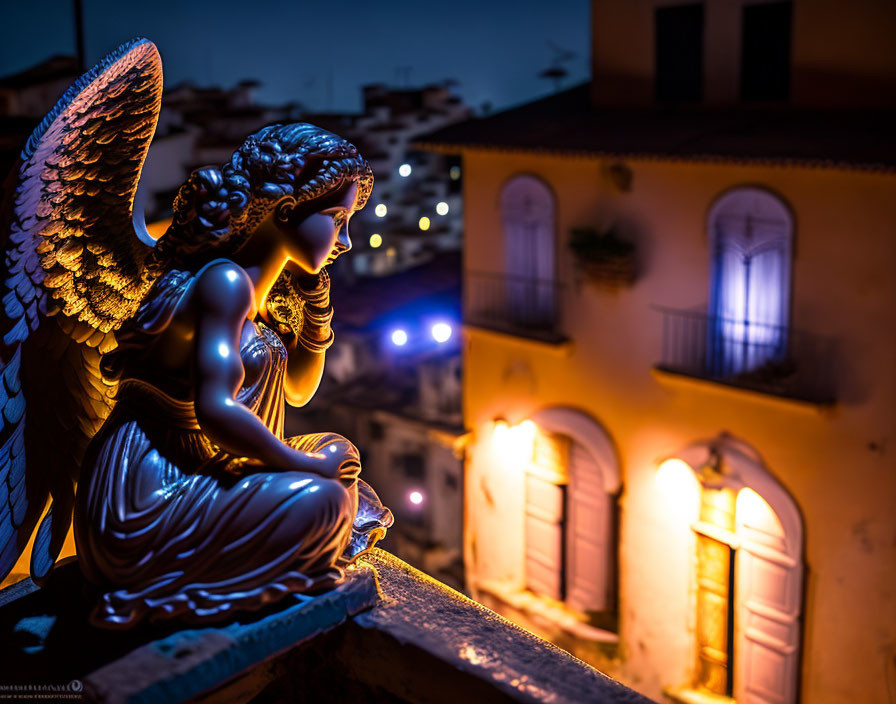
(32, 92)
(25, 98)
(678, 353)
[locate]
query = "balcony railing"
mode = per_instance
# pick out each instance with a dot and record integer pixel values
(768, 358)
(515, 304)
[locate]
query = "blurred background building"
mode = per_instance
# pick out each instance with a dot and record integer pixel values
(679, 353)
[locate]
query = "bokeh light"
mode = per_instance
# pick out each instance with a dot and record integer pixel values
(399, 337)
(441, 332)
(375, 240)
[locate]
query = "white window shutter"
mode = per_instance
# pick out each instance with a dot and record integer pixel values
(544, 536)
(767, 616)
(589, 564)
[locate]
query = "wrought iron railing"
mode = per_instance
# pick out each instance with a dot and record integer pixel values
(773, 359)
(517, 304)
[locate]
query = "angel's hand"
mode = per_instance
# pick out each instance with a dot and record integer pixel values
(337, 460)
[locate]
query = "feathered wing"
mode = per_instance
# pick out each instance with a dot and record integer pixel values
(74, 274)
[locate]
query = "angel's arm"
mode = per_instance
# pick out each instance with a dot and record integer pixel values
(305, 364)
(223, 298)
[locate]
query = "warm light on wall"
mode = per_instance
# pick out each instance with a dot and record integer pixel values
(514, 442)
(672, 475)
(679, 486)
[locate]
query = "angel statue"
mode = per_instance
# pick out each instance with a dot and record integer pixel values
(152, 376)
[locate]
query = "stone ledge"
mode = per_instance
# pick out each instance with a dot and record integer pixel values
(479, 643)
(48, 640)
(390, 634)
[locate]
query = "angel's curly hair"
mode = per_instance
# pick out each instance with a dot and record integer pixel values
(277, 167)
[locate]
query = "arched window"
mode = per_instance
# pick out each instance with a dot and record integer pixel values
(751, 234)
(571, 515)
(527, 214)
(749, 574)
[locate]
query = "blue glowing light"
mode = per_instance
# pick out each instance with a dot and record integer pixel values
(441, 332)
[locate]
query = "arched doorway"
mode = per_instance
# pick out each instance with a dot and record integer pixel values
(749, 575)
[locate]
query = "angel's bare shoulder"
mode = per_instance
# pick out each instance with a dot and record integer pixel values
(224, 289)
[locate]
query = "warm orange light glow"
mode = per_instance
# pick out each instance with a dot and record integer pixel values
(514, 442)
(679, 486)
(672, 475)
(500, 434)
(158, 228)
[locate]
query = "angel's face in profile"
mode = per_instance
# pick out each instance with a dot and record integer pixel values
(316, 233)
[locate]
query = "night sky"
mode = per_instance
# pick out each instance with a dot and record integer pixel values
(308, 52)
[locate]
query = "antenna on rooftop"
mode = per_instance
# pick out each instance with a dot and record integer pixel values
(555, 70)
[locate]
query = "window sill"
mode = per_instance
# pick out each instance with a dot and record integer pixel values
(550, 342)
(686, 695)
(557, 613)
(672, 378)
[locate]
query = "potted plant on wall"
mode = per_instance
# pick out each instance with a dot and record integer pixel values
(603, 256)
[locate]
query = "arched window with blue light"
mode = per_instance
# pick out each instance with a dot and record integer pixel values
(751, 237)
(527, 212)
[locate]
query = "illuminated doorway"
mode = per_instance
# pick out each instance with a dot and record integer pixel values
(748, 575)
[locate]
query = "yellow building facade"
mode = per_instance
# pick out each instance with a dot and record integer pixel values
(830, 459)
(680, 357)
